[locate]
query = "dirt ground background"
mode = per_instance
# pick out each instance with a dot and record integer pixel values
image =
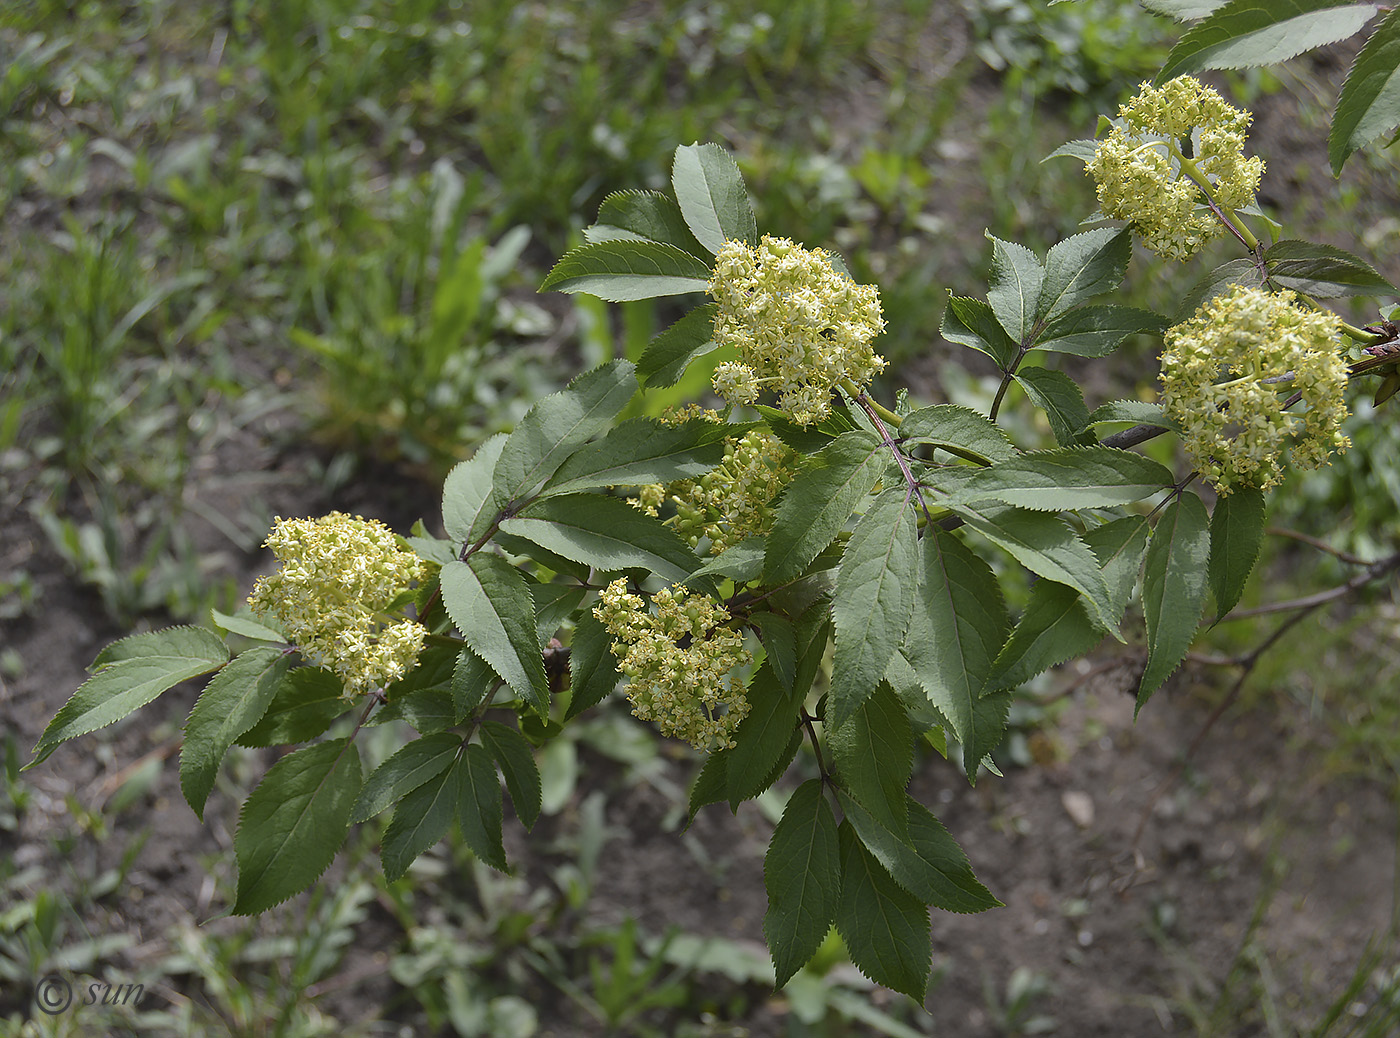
(1258, 878)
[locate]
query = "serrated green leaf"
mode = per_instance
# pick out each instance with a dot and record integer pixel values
(1323, 270)
(405, 770)
(518, 768)
(1369, 104)
(554, 603)
(1083, 150)
(802, 874)
(886, 929)
(711, 194)
(1236, 532)
(1183, 10)
(1119, 546)
(640, 451)
(761, 738)
(592, 666)
(472, 680)
(557, 425)
(426, 710)
(620, 270)
(1045, 545)
(468, 508)
(874, 599)
(668, 355)
(819, 501)
(245, 626)
(490, 604)
(1173, 588)
(172, 643)
(1055, 625)
(960, 431)
(293, 823)
(958, 627)
(1131, 412)
(740, 562)
(928, 862)
(1250, 33)
(779, 638)
(233, 702)
(650, 215)
(1216, 282)
(604, 532)
(1060, 398)
(711, 785)
(1014, 296)
(1082, 266)
(420, 820)
(1067, 478)
(480, 807)
(971, 323)
(874, 755)
(309, 699)
(1096, 331)
(131, 673)
(807, 439)
(989, 720)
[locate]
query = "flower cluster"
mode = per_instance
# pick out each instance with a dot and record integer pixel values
(338, 577)
(732, 501)
(1168, 142)
(1223, 373)
(680, 662)
(799, 325)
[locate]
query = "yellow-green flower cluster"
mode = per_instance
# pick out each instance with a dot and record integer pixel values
(1140, 168)
(679, 661)
(799, 325)
(732, 501)
(339, 575)
(1214, 373)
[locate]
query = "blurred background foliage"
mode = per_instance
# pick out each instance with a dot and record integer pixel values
(304, 237)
